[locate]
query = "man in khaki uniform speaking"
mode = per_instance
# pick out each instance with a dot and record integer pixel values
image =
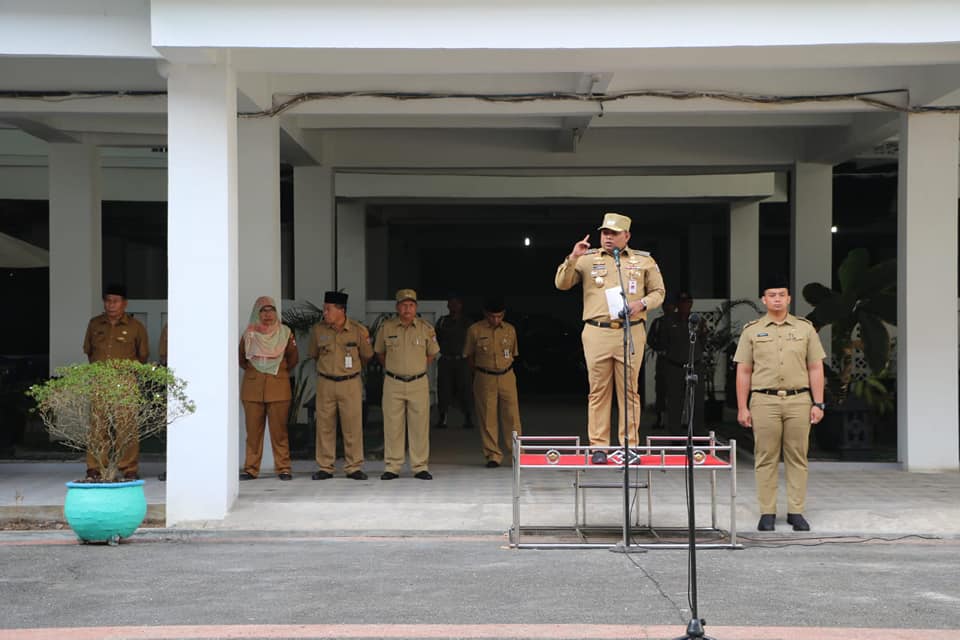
(116, 335)
(596, 270)
(405, 346)
(341, 348)
(490, 349)
(779, 395)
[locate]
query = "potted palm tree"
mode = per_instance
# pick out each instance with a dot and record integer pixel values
(857, 314)
(101, 408)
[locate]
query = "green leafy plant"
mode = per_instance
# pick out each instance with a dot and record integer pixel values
(867, 299)
(721, 338)
(300, 318)
(102, 408)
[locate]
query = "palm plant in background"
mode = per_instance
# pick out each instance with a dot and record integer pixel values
(866, 300)
(300, 318)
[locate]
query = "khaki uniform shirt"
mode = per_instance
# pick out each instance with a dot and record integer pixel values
(597, 270)
(263, 387)
(779, 353)
(340, 353)
(127, 340)
(492, 348)
(406, 348)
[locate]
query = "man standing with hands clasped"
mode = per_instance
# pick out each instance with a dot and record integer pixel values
(596, 270)
(779, 395)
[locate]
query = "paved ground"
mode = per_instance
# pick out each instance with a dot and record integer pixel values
(413, 559)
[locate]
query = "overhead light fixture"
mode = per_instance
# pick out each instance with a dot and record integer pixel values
(526, 241)
(833, 229)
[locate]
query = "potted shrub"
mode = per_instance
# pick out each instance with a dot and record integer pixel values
(102, 408)
(857, 315)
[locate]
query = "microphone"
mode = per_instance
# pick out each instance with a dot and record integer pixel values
(693, 322)
(616, 256)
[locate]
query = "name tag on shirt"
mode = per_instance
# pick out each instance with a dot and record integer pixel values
(348, 362)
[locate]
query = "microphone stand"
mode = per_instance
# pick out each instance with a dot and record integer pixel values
(695, 626)
(624, 545)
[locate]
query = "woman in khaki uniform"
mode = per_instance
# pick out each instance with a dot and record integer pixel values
(490, 348)
(267, 353)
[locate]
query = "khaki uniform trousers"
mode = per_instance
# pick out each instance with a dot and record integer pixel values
(495, 399)
(345, 397)
(256, 414)
(406, 415)
(781, 424)
(603, 351)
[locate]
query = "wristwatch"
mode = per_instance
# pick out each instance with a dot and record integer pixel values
(820, 405)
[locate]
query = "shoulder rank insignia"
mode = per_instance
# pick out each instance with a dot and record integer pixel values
(590, 252)
(752, 322)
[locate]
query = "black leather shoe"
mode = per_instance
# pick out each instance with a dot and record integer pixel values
(357, 475)
(599, 457)
(767, 521)
(423, 475)
(440, 425)
(492, 464)
(321, 475)
(388, 475)
(798, 521)
(247, 476)
(162, 477)
(285, 476)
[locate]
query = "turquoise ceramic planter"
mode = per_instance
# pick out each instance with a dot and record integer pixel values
(105, 512)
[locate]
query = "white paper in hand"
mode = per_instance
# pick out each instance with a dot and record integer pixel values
(614, 302)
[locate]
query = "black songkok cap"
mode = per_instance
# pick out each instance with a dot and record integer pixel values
(335, 297)
(115, 289)
(775, 281)
(494, 305)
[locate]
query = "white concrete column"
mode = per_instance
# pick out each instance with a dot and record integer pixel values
(744, 258)
(927, 413)
(352, 255)
(202, 462)
(811, 215)
(314, 222)
(75, 248)
(258, 168)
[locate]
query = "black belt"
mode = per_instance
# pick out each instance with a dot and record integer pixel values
(491, 372)
(339, 378)
(616, 324)
(782, 392)
(405, 378)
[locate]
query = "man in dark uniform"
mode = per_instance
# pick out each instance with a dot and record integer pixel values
(779, 395)
(341, 347)
(655, 340)
(676, 351)
(453, 372)
(116, 335)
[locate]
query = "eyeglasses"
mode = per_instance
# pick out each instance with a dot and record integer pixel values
(268, 308)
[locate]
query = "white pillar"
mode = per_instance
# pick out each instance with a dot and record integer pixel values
(744, 258)
(811, 216)
(352, 255)
(927, 292)
(75, 248)
(202, 464)
(314, 221)
(258, 168)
